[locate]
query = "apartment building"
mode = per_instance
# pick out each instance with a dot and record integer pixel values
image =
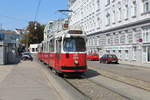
(120, 27)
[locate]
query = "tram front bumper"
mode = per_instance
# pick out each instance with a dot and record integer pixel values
(74, 68)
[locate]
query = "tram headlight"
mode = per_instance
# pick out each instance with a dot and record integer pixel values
(76, 59)
(76, 62)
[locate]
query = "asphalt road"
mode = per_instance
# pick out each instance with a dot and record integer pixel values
(122, 69)
(126, 90)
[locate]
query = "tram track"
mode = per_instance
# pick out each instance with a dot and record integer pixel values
(66, 90)
(94, 90)
(87, 94)
(90, 89)
(84, 76)
(77, 89)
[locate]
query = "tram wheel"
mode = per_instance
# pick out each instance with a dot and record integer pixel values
(60, 74)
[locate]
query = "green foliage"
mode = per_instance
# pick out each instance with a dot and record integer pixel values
(24, 39)
(36, 32)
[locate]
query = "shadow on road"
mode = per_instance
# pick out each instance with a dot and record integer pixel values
(91, 73)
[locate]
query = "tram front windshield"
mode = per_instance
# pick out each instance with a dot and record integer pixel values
(74, 45)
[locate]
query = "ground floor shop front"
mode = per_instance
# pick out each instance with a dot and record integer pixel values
(129, 44)
(135, 53)
(132, 53)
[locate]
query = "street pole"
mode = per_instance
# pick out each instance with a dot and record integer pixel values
(0, 26)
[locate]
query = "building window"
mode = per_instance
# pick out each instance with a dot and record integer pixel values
(113, 16)
(126, 12)
(146, 35)
(116, 40)
(99, 22)
(122, 38)
(137, 36)
(133, 9)
(33, 50)
(108, 19)
(146, 6)
(114, 51)
(119, 14)
(130, 38)
(126, 54)
(108, 2)
(98, 4)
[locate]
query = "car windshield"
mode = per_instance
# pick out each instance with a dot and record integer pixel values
(26, 53)
(74, 45)
(112, 56)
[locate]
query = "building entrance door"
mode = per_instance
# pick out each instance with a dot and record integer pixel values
(148, 54)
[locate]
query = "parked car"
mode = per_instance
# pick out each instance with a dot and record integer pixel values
(93, 57)
(109, 58)
(26, 56)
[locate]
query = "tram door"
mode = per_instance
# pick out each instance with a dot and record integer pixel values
(58, 53)
(148, 54)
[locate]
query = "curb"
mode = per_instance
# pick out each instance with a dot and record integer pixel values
(139, 66)
(131, 81)
(65, 90)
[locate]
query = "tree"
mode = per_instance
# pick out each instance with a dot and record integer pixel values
(35, 32)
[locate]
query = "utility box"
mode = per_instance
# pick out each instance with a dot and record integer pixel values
(8, 50)
(7, 53)
(2, 53)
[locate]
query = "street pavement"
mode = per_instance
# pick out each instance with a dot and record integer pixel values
(129, 81)
(25, 81)
(33, 81)
(134, 63)
(133, 75)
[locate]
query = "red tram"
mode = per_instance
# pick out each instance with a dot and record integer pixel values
(65, 52)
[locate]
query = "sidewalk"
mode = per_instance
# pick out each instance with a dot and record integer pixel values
(25, 81)
(135, 63)
(133, 75)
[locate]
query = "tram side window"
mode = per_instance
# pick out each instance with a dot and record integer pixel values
(42, 48)
(58, 46)
(51, 46)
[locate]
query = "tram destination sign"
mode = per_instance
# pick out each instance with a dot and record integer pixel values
(75, 32)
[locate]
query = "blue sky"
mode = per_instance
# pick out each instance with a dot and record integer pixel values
(17, 13)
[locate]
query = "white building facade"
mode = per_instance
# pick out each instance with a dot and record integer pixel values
(54, 26)
(120, 27)
(33, 48)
